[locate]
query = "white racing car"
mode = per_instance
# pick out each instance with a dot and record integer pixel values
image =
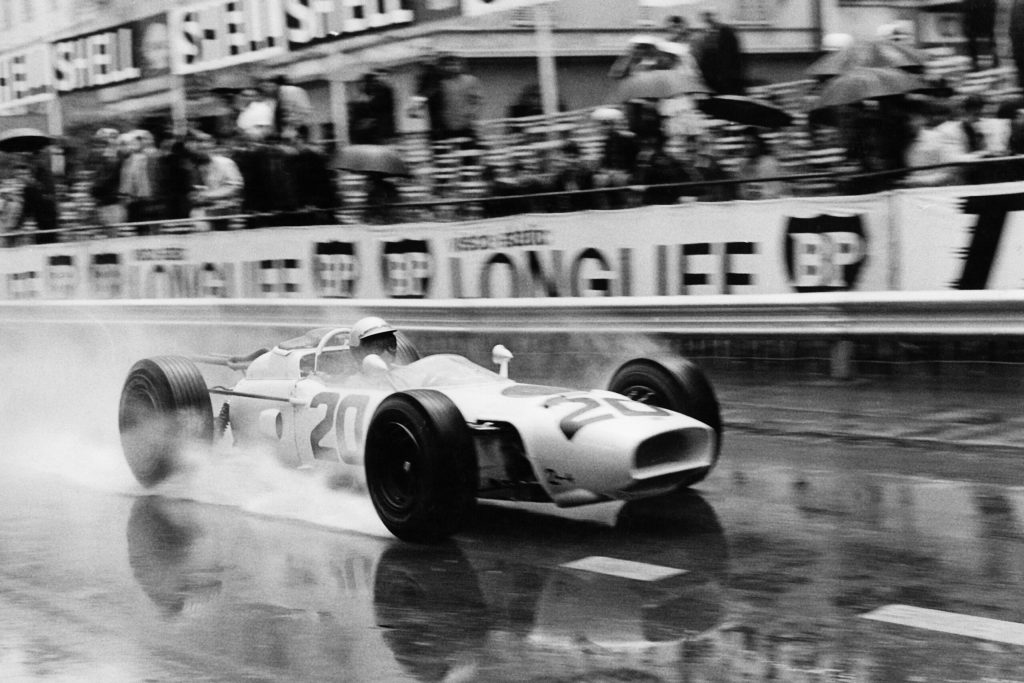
(432, 434)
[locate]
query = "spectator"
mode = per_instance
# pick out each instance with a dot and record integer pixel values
(1015, 33)
(381, 199)
(979, 17)
(642, 54)
(179, 179)
(705, 168)
(39, 194)
(528, 103)
(104, 162)
(290, 104)
(759, 162)
(678, 29)
(218, 190)
(660, 168)
(11, 193)
(619, 149)
(141, 182)
(268, 185)
(619, 146)
(964, 138)
(316, 191)
(720, 57)
(930, 148)
(431, 95)
(461, 100)
(255, 114)
(645, 120)
(575, 174)
(372, 112)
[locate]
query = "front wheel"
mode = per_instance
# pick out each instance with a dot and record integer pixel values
(420, 466)
(675, 384)
(164, 405)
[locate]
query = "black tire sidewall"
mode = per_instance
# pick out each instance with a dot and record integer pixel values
(444, 481)
(170, 395)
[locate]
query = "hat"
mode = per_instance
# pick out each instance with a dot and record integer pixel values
(106, 134)
(367, 327)
(607, 114)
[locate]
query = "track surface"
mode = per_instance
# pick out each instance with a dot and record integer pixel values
(767, 573)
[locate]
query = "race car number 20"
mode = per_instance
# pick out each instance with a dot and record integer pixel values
(595, 410)
(345, 417)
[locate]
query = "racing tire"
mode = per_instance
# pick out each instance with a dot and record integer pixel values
(421, 469)
(164, 405)
(675, 384)
(406, 352)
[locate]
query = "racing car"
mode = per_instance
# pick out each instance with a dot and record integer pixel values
(429, 435)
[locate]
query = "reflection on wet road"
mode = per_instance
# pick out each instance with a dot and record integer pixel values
(766, 574)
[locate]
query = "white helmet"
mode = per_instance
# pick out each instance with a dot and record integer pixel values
(367, 327)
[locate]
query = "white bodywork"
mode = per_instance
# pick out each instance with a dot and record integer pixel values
(582, 446)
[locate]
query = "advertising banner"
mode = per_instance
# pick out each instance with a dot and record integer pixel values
(25, 76)
(969, 237)
(783, 246)
(221, 33)
(472, 8)
(139, 49)
(310, 22)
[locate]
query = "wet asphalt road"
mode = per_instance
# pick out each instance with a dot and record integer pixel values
(786, 547)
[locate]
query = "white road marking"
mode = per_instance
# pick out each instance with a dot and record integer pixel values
(949, 622)
(626, 569)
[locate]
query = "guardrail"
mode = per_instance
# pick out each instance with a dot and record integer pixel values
(836, 322)
(852, 314)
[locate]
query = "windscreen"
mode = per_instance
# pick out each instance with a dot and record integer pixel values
(441, 370)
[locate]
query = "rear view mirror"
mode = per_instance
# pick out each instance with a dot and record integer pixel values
(501, 356)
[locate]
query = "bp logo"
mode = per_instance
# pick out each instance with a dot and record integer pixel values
(406, 268)
(61, 277)
(335, 269)
(825, 253)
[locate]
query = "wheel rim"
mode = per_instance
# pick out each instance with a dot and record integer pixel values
(398, 468)
(642, 393)
(141, 407)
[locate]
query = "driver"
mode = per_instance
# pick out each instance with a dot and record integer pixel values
(373, 335)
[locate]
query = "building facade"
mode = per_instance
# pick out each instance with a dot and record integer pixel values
(76, 64)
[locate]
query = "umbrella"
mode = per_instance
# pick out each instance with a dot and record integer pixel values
(373, 159)
(866, 83)
(23, 140)
(745, 110)
(657, 84)
(872, 53)
(231, 82)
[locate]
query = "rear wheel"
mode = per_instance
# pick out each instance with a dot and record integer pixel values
(164, 405)
(676, 384)
(420, 466)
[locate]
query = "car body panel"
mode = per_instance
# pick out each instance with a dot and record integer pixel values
(582, 446)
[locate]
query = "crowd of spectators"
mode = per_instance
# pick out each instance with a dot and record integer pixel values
(256, 166)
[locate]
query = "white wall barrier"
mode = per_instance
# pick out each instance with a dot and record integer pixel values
(968, 237)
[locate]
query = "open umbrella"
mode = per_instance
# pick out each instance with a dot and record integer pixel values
(745, 110)
(870, 53)
(657, 84)
(230, 82)
(373, 159)
(867, 83)
(23, 140)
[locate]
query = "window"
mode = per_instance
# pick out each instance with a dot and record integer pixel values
(755, 11)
